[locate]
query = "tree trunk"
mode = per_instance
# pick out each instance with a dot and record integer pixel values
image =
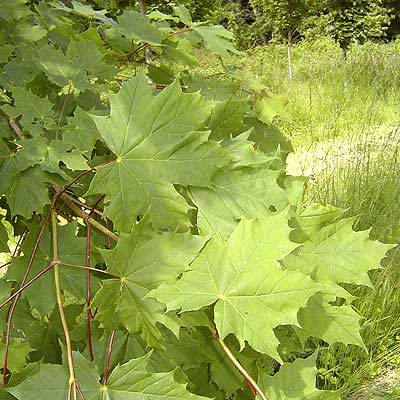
(289, 54)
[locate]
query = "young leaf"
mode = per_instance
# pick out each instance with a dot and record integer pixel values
(224, 273)
(157, 146)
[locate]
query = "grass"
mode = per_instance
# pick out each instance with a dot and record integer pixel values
(345, 127)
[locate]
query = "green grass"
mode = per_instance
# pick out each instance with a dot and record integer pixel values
(345, 127)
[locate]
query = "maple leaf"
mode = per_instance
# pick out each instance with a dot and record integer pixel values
(336, 254)
(242, 192)
(138, 27)
(81, 63)
(157, 145)
(36, 111)
(295, 380)
(224, 274)
(142, 261)
(330, 323)
(49, 154)
(28, 192)
(14, 10)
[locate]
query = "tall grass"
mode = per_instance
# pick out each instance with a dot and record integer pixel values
(345, 129)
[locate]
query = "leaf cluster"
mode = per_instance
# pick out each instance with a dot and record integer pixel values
(160, 242)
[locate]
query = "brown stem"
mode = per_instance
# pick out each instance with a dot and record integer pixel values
(184, 30)
(63, 107)
(16, 297)
(237, 364)
(107, 367)
(88, 310)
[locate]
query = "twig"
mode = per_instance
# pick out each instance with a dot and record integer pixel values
(88, 310)
(237, 364)
(18, 295)
(63, 108)
(72, 376)
(76, 179)
(75, 209)
(107, 367)
(85, 267)
(29, 283)
(16, 128)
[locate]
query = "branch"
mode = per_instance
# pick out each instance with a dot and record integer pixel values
(80, 213)
(72, 378)
(107, 367)
(237, 364)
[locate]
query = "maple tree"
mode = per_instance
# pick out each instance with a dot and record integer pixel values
(162, 252)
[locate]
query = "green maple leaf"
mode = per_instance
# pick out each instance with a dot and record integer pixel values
(243, 192)
(331, 323)
(81, 132)
(142, 261)
(227, 117)
(46, 335)
(217, 39)
(13, 10)
(313, 218)
(81, 64)
(36, 111)
(18, 354)
(138, 27)
(28, 192)
(267, 106)
(295, 381)
(224, 274)
(72, 249)
(51, 381)
(157, 145)
(49, 154)
(8, 167)
(336, 254)
(3, 238)
(130, 382)
(245, 154)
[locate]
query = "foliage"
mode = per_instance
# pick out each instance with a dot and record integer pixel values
(356, 21)
(161, 243)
